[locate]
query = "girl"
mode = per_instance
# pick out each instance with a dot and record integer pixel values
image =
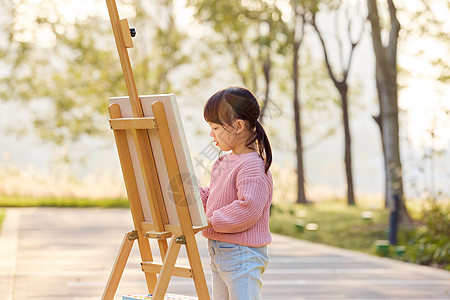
(238, 198)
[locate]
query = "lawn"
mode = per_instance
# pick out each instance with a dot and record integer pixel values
(27, 201)
(336, 224)
(332, 223)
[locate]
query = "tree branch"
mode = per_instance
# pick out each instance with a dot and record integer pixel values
(353, 46)
(235, 59)
(324, 48)
(393, 36)
(338, 39)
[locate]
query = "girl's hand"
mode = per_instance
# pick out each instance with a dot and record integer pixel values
(209, 222)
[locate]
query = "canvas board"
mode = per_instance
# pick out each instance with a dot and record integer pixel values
(182, 153)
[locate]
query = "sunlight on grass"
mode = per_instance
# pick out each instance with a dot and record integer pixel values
(337, 224)
(26, 201)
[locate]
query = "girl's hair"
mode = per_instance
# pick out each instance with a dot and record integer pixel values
(239, 103)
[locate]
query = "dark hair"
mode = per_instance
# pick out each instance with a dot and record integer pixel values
(239, 103)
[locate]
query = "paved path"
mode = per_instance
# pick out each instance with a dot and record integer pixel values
(54, 253)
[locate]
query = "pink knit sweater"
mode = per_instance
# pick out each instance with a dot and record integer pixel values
(238, 200)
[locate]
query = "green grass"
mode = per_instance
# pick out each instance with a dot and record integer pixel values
(2, 215)
(339, 225)
(25, 201)
(342, 226)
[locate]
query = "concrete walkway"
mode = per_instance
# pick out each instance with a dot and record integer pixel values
(58, 253)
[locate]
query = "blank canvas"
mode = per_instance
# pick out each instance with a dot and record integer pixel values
(183, 156)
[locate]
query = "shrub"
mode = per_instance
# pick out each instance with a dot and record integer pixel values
(429, 244)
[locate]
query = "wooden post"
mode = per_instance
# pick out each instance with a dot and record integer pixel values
(124, 58)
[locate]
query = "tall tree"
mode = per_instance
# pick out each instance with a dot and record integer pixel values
(340, 81)
(386, 83)
(296, 37)
(302, 12)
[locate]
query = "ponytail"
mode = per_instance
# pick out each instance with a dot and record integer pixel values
(264, 149)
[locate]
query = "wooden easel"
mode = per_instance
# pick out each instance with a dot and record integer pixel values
(159, 229)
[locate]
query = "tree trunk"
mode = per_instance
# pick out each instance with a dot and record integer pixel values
(386, 77)
(343, 89)
(301, 197)
(377, 120)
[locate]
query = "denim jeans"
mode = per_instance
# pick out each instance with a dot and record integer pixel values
(236, 270)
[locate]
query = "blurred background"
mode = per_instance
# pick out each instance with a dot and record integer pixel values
(356, 102)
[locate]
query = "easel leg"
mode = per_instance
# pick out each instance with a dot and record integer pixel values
(166, 271)
(197, 269)
(119, 266)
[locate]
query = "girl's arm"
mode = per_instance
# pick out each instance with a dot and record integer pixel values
(204, 194)
(253, 195)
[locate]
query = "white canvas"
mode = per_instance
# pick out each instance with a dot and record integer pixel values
(182, 153)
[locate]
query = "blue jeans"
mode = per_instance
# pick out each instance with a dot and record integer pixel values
(236, 270)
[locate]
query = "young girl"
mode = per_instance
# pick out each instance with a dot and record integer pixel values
(238, 198)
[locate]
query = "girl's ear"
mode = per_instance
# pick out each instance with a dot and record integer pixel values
(240, 126)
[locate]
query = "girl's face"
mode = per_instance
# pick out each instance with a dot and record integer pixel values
(224, 137)
(230, 137)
